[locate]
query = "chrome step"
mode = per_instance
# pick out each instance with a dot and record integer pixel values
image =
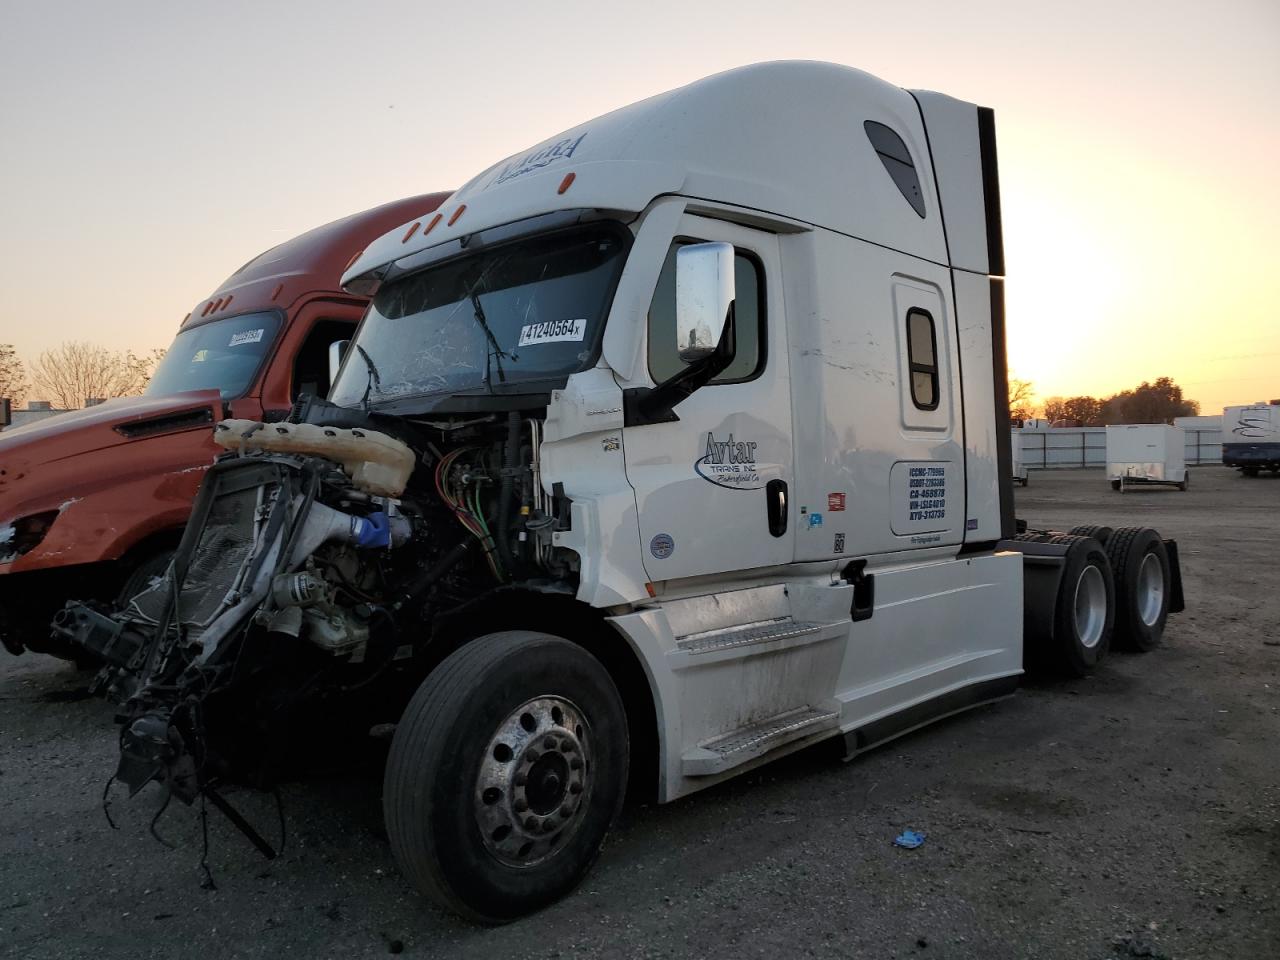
(761, 632)
(747, 743)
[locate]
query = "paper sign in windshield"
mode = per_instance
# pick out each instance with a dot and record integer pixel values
(553, 331)
(247, 336)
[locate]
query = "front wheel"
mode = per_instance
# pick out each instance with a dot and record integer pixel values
(506, 772)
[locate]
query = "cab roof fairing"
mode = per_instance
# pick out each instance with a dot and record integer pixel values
(786, 138)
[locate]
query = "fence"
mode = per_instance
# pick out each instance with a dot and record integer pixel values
(1066, 447)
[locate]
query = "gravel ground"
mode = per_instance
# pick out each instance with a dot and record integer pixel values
(1134, 813)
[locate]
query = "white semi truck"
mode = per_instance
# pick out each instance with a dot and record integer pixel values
(1251, 437)
(672, 445)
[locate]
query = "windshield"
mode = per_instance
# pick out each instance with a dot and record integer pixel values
(528, 310)
(223, 355)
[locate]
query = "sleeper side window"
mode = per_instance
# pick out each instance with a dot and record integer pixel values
(922, 359)
(749, 320)
(897, 162)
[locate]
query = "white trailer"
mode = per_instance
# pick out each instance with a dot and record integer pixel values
(695, 480)
(1146, 453)
(1251, 437)
(1019, 467)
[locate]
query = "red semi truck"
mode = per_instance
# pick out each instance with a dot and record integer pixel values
(92, 502)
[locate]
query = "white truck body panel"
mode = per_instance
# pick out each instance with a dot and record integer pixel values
(1146, 451)
(752, 639)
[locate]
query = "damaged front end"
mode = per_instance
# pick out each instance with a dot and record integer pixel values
(277, 591)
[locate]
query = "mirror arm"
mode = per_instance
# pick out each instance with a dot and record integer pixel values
(644, 405)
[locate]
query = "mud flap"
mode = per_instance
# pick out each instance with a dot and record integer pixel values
(1177, 602)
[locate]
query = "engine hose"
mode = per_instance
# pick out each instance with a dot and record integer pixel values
(506, 491)
(434, 572)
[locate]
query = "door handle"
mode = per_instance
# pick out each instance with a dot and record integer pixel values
(776, 495)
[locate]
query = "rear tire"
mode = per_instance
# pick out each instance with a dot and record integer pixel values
(1185, 482)
(506, 772)
(1084, 611)
(1098, 532)
(1115, 484)
(1143, 586)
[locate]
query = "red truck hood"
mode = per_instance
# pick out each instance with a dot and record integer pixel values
(106, 425)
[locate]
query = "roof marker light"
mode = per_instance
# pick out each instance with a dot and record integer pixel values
(411, 231)
(228, 303)
(350, 263)
(217, 305)
(567, 182)
(432, 225)
(275, 293)
(207, 307)
(456, 214)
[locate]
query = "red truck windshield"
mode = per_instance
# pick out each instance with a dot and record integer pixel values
(221, 355)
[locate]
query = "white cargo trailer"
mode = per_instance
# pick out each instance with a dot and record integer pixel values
(1251, 437)
(701, 423)
(1019, 467)
(1146, 453)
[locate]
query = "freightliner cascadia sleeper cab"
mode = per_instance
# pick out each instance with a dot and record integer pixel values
(669, 446)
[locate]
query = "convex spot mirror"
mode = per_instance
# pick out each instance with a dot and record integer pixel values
(704, 294)
(337, 350)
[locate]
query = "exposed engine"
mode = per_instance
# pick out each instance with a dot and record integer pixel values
(318, 561)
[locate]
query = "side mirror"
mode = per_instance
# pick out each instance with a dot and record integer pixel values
(704, 296)
(337, 350)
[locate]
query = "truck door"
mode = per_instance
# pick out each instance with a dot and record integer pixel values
(708, 484)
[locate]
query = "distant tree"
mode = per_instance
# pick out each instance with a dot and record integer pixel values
(1157, 402)
(1055, 408)
(1021, 399)
(76, 371)
(13, 376)
(1088, 410)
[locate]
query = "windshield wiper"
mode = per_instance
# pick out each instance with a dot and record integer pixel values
(497, 353)
(373, 381)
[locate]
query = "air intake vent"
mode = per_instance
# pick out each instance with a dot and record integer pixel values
(167, 423)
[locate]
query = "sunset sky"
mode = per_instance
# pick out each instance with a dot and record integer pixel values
(149, 149)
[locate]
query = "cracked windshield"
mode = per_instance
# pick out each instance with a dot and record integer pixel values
(527, 310)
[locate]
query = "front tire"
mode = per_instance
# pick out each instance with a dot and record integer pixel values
(506, 772)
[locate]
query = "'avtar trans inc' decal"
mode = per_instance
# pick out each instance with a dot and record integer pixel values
(730, 463)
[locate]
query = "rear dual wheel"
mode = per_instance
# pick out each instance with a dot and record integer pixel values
(1084, 609)
(1143, 586)
(506, 772)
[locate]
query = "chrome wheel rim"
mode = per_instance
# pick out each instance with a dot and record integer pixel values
(1150, 589)
(534, 781)
(1090, 606)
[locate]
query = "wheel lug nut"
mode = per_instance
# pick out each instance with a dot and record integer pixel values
(531, 755)
(521, 805)
(549, 743)
(521, 779)
(566, 810)
(575, 764)
(531, 823)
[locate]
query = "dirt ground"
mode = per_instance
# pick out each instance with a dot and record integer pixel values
(1134, 813)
